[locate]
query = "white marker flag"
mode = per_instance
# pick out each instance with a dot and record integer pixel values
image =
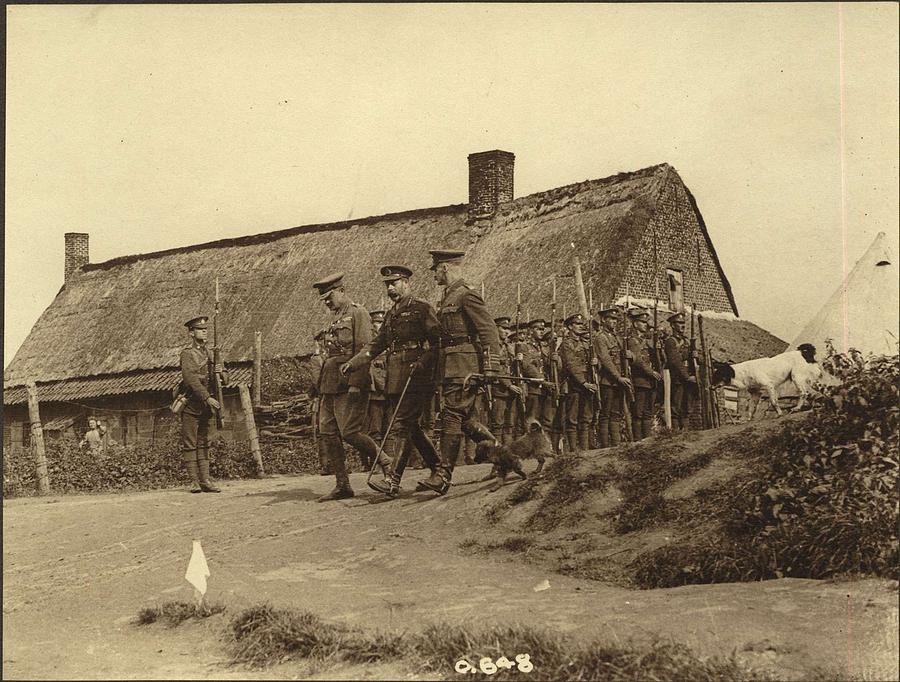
(197, 570)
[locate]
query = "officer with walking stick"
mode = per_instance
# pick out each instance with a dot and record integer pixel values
(410, 330)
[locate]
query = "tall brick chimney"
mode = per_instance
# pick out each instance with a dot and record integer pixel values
(490, 181)
(76, 252)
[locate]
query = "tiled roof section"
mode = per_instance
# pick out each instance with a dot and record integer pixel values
(133, 382)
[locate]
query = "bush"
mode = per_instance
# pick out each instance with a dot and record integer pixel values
(824, 501)
(146, 466)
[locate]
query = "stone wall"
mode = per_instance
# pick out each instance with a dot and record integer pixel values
(677, 233)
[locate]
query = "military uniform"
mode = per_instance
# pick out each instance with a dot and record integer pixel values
(409, 332)
(198, 381)
(608, 348)
(677, 352)
(344, 399)
(575, 354)
(503, 417)
(531, 359)
(468, 341)
(645, 368)
(378, 412)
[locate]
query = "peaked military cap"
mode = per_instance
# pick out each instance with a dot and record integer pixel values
(200, 322)
(376, 314)
(638, 314)
(676, 317)
(612, 311)
(536, 321)
(328, 284)
(391, 273)
(571, 319)
(445, 256)
(502, 321)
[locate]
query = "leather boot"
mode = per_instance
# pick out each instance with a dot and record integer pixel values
(584, 443)
(615, 432)
(203, 467)
(603, 434)
(439, 481)
(342, 490)
(193, 472)
(478, 432)
(405, 447)
(572, 441)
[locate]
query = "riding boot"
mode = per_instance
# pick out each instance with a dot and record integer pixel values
(193, 472)
(404, 445)
(478, 432)
(424, 449)
(203, 472)
(342, 490)
(603, 434)
(439, 481)
(615, 432)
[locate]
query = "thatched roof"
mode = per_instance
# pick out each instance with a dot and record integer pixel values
(125, 315)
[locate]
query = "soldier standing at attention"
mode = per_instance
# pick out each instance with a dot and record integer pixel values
(503, 417)
(645, 368)
(198, 378)
(575, 354)
(531, 364)
(677, 349)
(378, 414)
(344, 399)
(613, 385)
(466, 327)
(409, 334)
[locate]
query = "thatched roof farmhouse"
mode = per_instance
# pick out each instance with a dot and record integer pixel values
(110, 339)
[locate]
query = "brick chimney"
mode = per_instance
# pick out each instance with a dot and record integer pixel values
(490, 181)
(76, 252)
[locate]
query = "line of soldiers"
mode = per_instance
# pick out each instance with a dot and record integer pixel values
(570, 382)
(584, 383)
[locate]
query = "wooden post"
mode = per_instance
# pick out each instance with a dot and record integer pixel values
(247, 405)
(703, 378)
(579, 290)
(37, 440)
(667, 398)
(257, 370)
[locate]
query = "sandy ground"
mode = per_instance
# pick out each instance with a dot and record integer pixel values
(77, 569)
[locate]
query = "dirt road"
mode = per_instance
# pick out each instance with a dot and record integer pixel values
(77, 569)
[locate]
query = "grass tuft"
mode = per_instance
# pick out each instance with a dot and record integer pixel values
(265, 636)
(174, 613)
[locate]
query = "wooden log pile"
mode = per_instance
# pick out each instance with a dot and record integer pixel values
(289, 418)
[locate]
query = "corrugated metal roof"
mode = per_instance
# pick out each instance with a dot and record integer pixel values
(132, 382)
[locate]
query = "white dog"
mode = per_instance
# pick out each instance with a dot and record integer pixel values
(768, 374)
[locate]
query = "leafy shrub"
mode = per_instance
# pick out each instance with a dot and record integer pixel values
(824, 501)
(147, 466)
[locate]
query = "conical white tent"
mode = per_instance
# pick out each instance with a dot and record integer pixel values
(864, 312)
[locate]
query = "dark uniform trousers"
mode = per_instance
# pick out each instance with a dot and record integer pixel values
(612, 394)
(579, 416)
(195, 432)
(643, 411)
(464, 322)
(344, 401)
(677, 353)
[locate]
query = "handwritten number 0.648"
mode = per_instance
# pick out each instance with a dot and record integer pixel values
(489, 667)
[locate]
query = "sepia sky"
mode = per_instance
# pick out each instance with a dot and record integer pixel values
(152, 127)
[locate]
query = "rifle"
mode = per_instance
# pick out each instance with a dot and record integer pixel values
(516, 365)
(554, 370)
(626, 370)
(217, 360)
(492, 379)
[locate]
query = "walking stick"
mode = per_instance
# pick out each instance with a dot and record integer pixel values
(386, 434)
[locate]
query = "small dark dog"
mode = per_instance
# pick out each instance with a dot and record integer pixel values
(507, 458)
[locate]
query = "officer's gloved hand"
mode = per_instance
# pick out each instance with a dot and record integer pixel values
(626, 382)
(591, 387)
(346, 368)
